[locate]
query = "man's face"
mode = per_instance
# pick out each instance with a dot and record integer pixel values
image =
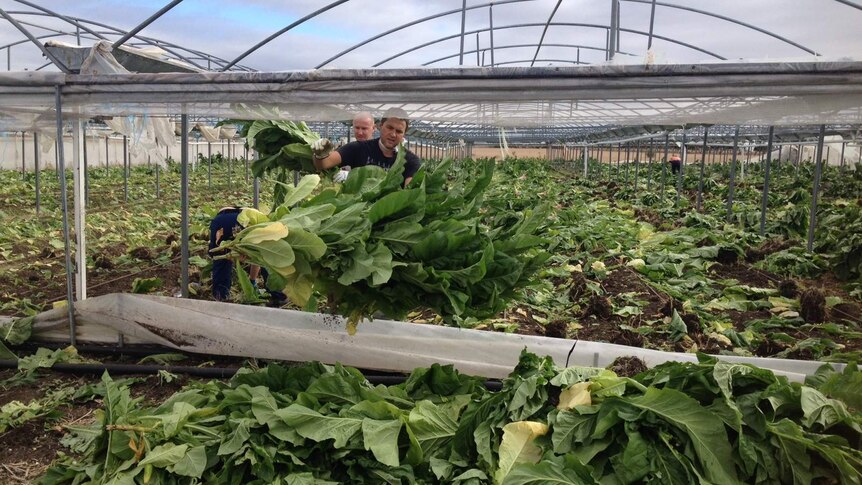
(363, 129)
(392, 132)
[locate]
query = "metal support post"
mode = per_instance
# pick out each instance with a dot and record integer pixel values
(731, 183)
(209, 165)
(125, 170)
(765, 199)
(229, 170)
(628, 161)
(664, 165)
(86, 169)
(637, 164)
(680, 174)
(245, 157)
(23, 155)
(586, 160)
(702, 168)
(184, 205)
(61, 173)
(843, 146)
(36, 170)
(815, 191)
(79, 204)
(649, 166)
(256, 188)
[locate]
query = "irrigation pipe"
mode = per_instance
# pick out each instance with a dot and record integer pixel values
(208, 372)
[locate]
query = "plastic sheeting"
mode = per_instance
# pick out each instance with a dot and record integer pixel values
(772, 93)
(267, 333)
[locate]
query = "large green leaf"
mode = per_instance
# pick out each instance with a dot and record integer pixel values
(705, 430)
(306, 186)
(396, 203)
(163, 455)
(307, 242)
(318, 427)
(381, 437)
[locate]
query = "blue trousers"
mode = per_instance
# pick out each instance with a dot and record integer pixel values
(222, 228)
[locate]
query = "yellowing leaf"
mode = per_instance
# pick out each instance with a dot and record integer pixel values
(268, 232)
(576, 395)
(518, 447)
(249, 217)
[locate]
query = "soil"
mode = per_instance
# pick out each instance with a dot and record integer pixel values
(766, 248)
(788, 288)
(628, 366)
(745, 274)
(812, 305)
(557, 329)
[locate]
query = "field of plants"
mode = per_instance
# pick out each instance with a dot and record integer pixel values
(615, 256)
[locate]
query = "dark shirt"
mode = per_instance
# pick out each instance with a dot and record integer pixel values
(361, 153)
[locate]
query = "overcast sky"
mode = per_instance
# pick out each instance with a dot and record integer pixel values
(228, 28)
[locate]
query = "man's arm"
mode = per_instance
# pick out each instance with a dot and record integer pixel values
(331, 160)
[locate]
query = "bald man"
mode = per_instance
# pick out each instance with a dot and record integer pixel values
(363, 126)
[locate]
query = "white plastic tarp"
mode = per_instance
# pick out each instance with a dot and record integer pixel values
(240, 330)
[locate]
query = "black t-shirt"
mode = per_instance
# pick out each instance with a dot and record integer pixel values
(361, 153)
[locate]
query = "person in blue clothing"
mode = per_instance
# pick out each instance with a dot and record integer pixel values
(224, 227)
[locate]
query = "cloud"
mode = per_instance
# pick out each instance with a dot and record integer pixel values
(227, 29)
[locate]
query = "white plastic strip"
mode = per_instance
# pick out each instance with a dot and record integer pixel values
(240, 330)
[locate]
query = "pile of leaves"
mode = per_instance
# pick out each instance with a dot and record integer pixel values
(706, 422)
(369, 245)
(283, 147)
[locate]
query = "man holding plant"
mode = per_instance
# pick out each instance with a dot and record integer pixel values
(381, 152)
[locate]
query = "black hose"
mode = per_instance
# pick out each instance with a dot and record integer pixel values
(210, 372)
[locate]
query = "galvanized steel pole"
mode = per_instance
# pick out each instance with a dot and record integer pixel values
(64, 205)
(23, 157)
(765, 199)
(702, 168)
(815, 191)
(209, 165)
(125, 170)
(664, 165)
(184, 205)
(683, 153)
(36, 169)
(637, 164)
(86, 165)
(732, 181)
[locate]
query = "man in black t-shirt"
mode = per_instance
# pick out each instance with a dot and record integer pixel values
(379, 151)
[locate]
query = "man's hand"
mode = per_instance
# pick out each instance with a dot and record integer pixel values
(341, 176)
(321, 148)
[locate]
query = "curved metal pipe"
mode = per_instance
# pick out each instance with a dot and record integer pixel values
(35, 41)
(729, 19)
(545, 31)
(563, 24)
(410, 24)
(513, 46)
(166, 46)
(71, 20)
(145, 23)
(273, 36)
(569, 61)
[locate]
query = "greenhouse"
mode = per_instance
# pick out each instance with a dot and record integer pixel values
(602, 242)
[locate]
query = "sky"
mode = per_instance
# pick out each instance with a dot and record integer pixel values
(228, 28)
